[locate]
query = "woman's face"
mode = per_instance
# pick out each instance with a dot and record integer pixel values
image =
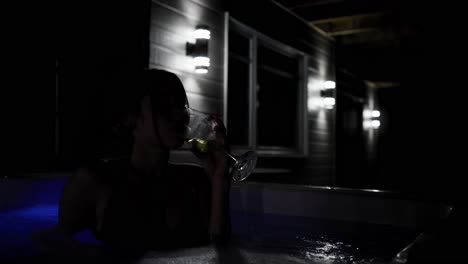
(170, 122)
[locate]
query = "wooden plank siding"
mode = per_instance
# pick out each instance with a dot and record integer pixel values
(122, 38)
(317, 168)
(172, 26)
(320, 164)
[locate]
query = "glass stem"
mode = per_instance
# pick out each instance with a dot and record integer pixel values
(231, 156)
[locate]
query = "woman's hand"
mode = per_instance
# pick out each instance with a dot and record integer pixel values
(215, 159)
(216, 165)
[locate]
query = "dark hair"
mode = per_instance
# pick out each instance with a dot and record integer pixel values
(166, 91)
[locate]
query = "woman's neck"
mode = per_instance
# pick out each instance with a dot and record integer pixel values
(149, 163)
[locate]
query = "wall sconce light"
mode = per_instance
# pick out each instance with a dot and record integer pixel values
(368, 124)
(329, 85)
(375, 113)
(371, 118)
(329, 102)
(328, 94)
(368, 114)
(199, 49)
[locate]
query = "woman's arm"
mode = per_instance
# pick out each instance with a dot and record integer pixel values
(76, 212)
(216, 165)
(220, 186)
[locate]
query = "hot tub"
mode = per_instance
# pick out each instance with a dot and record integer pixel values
(271, 223)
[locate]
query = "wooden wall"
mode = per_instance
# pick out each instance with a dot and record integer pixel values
(172, 26)
(277, 23)
(319, 168)
(351, 139)
(116, 38)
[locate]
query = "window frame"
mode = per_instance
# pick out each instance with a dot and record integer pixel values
(256, 39)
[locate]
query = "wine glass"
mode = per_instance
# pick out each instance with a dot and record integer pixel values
(201, 133)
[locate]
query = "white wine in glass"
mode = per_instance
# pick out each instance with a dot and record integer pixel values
(201, 134)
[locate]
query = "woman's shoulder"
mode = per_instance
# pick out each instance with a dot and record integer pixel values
(104, 170)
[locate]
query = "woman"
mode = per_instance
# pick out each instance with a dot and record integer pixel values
(144, 201)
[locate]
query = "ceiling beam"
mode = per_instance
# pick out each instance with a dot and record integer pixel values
(351, 31)
(344, 19)
(349, 25)
(313, 12)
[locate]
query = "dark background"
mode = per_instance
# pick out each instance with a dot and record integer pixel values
(421, 151)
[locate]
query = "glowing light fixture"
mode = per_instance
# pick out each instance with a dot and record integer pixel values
(202, 33)
(201, 71)
(199, 49)
(328, 96)
(371, 119)
(201, 61)
(375, 123)
(367, 124)
(367, 114)
(329, 85)
(329, 102)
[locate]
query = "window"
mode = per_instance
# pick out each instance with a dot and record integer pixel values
(266, 94)
(238, 94)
